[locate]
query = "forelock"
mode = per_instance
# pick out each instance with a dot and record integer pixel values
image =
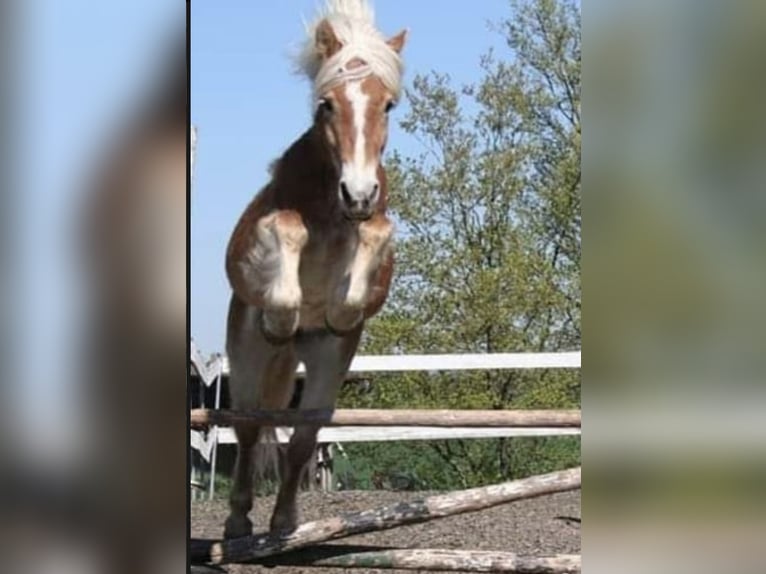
(353, 23)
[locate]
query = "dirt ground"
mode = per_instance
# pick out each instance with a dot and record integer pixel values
(531, 527)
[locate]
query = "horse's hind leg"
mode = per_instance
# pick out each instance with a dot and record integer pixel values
(261, 376)
(327, 359)
(241, 495)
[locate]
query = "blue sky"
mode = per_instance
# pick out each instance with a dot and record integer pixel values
(248, 107)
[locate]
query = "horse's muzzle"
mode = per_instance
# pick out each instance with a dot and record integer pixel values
(359, 206)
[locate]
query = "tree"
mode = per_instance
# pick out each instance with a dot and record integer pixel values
(489, 233)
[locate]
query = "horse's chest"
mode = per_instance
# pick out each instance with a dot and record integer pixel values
(325, 255)
(322, 266)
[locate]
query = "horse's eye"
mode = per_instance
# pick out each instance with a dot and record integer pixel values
(390, 105)
(325, 106)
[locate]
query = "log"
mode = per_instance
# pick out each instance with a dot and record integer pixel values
(201, 418)
(386, 517)
(429, 559)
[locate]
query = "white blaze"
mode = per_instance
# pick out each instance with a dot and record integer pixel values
(358, 175)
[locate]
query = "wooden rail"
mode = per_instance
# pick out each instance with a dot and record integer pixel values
(384, 518)
(201, 418)
(443, 560)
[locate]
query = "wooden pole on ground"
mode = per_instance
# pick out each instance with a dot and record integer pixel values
(201, 418)
(430, 559)
(386, 517)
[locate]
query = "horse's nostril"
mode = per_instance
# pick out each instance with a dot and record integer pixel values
(344, 192)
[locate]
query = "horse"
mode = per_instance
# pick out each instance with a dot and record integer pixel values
(311, 258)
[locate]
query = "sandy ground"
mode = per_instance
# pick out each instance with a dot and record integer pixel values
(531, 527)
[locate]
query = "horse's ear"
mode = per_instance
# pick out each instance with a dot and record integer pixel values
(397, 42)
(327, 42)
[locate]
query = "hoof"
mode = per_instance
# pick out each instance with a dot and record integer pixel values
(283, 524)
(237, 527)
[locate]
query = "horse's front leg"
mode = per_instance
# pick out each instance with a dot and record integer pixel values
(327, 359)
(351, 294)
(280, 237)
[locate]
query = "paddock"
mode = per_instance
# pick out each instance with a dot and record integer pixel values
(313, 544)
(533, 528)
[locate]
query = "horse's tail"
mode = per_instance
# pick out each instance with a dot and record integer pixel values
(269, 456)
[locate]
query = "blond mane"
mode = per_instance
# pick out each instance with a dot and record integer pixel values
(353, 22)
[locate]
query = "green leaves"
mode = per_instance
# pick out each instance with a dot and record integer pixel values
(489, 243)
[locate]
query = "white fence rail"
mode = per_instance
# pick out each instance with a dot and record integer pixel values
(445, 362)
(204, 445)
(219, 364)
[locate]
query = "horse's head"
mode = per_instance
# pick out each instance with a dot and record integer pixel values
(356, 84)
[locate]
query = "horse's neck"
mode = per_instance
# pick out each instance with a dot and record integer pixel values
(306, 180)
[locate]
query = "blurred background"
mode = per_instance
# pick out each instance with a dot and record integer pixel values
(94, 284)
(674, 278)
